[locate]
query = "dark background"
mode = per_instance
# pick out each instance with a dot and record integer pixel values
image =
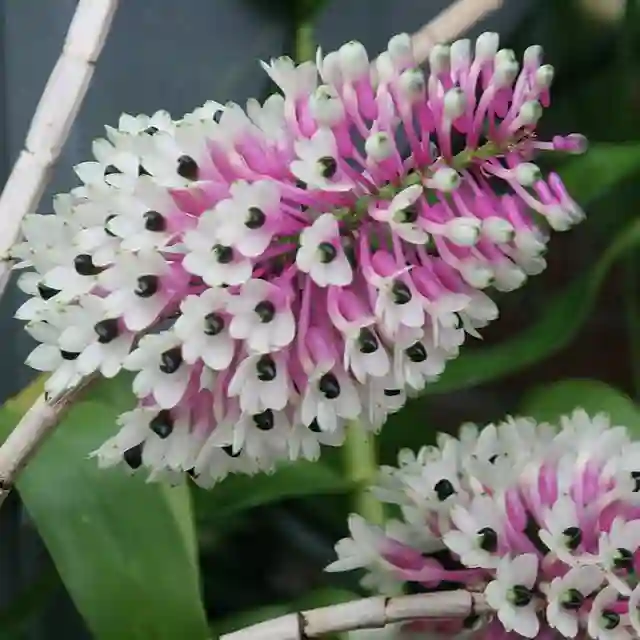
(176, 55)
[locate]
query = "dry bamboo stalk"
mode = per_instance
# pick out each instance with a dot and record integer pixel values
(30, 433)
(54, 116)
(370, 613)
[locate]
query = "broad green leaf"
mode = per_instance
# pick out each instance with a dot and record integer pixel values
(547, 403)
(238, 493)
(124, 548)
(320, 598)
(563, 316)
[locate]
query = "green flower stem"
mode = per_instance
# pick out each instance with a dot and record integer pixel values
(361, 466)
(304, 44)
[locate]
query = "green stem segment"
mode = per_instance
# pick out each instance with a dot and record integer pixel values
(361, 466)
(304, 44)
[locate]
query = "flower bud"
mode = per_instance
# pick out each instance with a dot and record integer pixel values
(505, 73)
(561, 218)
(326, 107)
(384, 67)
(497, 229)
(439, 59)
(476, 274)
(460, 54)
(544, 76)
(573, 143)
(463, 232)
(529, 242)
(379, 146)
(444, 179)
(577, 214)
(532, 56)
(505, 55)
(527, 174)
(508, 277)
(530, 113)
(400, 50)
(455, 103)
(558, 218)
(330, 68)
(487, 46)
(354, 60)
(412, 84)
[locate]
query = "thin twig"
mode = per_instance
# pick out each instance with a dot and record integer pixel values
(370, 613)
(54, 116)
(25, 439)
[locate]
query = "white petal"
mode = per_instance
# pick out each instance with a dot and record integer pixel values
(169, 389)
(140, 315)
(341, 273)
(406, 198)
(525, 567)
(527, 623)
(219, 353)
(44, 358)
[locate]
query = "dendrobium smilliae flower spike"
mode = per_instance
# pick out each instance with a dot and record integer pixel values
(544, 520)
(270, 274)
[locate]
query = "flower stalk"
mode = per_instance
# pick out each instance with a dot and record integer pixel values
(361, 467)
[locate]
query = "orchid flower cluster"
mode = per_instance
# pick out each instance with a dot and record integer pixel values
(271, 274)
(544, 521)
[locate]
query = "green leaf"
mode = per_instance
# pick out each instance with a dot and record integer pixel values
(589, 176)
(549, 402)
(320, 598)
(124, 548)
(563, 316)
(238, 493)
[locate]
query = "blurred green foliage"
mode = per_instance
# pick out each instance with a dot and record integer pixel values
(125, 549)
